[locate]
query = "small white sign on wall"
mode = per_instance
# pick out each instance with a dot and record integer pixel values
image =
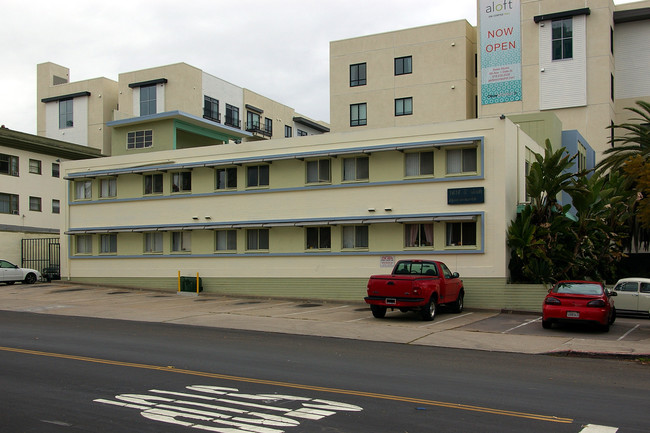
(387, 261)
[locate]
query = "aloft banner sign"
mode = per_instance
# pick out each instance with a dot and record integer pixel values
(500, 51)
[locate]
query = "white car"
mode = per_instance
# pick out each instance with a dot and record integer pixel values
(633, 295)
(10, 273)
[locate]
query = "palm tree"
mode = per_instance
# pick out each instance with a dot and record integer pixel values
(636, 140)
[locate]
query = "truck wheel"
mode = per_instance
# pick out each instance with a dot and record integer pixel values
(378, 311)
(428, 312)
(458, 305)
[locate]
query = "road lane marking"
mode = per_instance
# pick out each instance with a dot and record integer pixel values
(523, 324)
(628, 332)
(593, 428)
(402, 399)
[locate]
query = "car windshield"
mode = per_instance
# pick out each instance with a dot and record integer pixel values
(579, 288)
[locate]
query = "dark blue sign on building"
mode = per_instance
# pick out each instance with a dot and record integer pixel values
(466, 195)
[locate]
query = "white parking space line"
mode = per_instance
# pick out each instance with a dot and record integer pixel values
(523, 324)
(261, 305)
(437, 322)
(593, 428)
(628, 332)
(313, 311)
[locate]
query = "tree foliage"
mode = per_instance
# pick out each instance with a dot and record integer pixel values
(548, 243)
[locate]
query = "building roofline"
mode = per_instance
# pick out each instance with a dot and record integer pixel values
(631, 15)
(45, 145)
(63, 97)
(311, 124)
(565, 14)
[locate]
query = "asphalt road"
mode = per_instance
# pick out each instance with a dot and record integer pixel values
(67, 374)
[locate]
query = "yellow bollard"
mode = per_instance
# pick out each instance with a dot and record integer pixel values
(179, 281)
(197, 283)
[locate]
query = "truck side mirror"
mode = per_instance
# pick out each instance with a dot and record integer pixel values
(455, 275)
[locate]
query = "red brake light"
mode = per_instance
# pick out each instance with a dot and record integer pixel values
(596, 303)
(552, 301)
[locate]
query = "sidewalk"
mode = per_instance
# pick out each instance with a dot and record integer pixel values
(472, 329)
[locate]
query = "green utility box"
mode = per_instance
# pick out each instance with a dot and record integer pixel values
(188, 284)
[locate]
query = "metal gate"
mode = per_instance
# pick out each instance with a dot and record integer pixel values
(44, 255)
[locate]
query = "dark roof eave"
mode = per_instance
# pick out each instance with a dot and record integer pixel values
(631, 15)
(565, 14)
(311, 124)
(45, 145)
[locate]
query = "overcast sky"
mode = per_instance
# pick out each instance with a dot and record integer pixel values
(279, 49)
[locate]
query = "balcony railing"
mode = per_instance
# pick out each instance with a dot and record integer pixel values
(258, 128)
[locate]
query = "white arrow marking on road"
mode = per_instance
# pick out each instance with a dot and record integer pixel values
(593, 428)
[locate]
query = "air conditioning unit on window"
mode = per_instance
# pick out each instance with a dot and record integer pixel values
(15, 212)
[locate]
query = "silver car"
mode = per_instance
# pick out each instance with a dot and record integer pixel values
(633, 295)
(10, 273)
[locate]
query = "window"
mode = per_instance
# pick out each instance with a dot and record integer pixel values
(211, 109)
(418, 235)
(318, 171)
(252, 121)
(268, 125)
(35, 166)
(582, 157)
(611, 86)
(287, 131)
(139, 139)
(182, 181)
(318, 238)
(419, 163)
(83, 244)
(257, 239)
(56, 206)
(83, 189)
(153, 242)
(56, 170)
(108, 243)
(403, 106)
(8, 164)
(461, 161)
(355, 168)
(301, 133)
(35, 204)
(461, 234)
(355, 237)
(181, 241)
(153, 183)
(9, 204)
(562, 39)
(65, 114)
(108, 187)
(403, 65)
(232, 116)
(147, 100)
(226, 240)
(628, 286)
(358, 75)
(257, 176)
(358, 115)
(227, 178)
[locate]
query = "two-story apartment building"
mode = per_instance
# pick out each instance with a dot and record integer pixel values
(427, 158)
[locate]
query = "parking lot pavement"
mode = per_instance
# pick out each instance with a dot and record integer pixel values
(471, 329)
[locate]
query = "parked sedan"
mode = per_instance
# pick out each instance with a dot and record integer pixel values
(579, 302)
(633, 295)
(10, 273)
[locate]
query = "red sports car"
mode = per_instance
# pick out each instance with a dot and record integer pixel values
(579, 302)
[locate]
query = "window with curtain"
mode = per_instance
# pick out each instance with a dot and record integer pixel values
(257, 239)
(461, 234)
(356, 168)
(182, 181)
(226, 240)
(182, 241)
(83, 189)
(227, 178)
(355, 237)
(153, 183)
(318, 171)
(83, 244)
(153, 242)
(257, 176)
(461, 161)
(318, 238)
(108, 187)
(418, 235)
(419, 163)
(108, 243)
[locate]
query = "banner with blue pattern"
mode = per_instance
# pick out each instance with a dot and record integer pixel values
(500, 25)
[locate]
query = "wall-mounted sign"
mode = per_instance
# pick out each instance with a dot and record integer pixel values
(387, 262)
(500, 24)
(466, 195)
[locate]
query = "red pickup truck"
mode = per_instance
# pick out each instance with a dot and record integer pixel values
(416, 285)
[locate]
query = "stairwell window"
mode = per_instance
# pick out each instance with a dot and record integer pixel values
(562, 39)
(66, 115)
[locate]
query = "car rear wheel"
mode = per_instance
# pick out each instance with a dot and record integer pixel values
(547, 324)
(378, 311)
(613, 316)
(428, 312)
(30, 278)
